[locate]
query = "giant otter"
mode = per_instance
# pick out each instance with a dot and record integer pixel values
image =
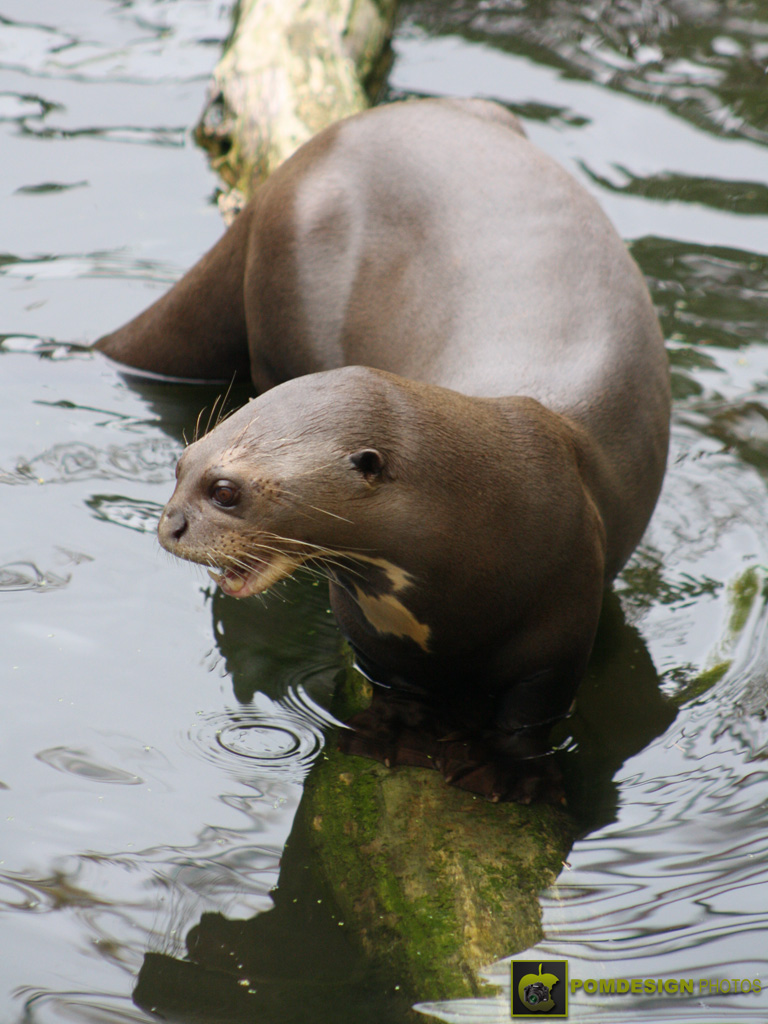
(463, 413)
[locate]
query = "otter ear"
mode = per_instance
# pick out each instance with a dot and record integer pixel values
(369, 462)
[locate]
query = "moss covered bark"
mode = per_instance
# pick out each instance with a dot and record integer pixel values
(436, 882)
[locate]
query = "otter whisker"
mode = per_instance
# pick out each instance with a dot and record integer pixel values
(358, 553)
(315, 470)
(210, 415)
(333, 515)
(196, 434)
(301, 508)
(318, 548)
(260, 550)
(257, 549)
(287, 492)
(329, 559)
(328, 556)
(222, 415)
(236, 444)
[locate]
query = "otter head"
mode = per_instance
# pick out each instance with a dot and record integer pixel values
(403, 494)
(292, 477)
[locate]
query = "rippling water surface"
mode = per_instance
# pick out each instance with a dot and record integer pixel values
(155, 735)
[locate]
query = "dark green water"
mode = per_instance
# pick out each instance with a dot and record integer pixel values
(154, 738)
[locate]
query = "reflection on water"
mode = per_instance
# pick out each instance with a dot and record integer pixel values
(157, 733)
(78, 762)
(132, 513)
(703, 61)
(151, 461)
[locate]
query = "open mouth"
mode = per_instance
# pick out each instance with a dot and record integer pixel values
(255, 577)
(242, 581)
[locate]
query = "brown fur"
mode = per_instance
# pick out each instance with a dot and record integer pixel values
(465, 401)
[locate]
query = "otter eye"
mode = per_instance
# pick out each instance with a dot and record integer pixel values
(224, 493)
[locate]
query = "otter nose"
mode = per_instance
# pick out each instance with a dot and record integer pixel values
(172, 526)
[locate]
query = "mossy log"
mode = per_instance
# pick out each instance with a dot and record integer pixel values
(290, 68)
(436, 882)
(394, 889)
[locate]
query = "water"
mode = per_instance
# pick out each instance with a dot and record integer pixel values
(155, 735)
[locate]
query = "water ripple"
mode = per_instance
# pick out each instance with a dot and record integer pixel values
(43, 1006)
(27, 576)
(136, 899)
(251, 743)
(674, 886)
